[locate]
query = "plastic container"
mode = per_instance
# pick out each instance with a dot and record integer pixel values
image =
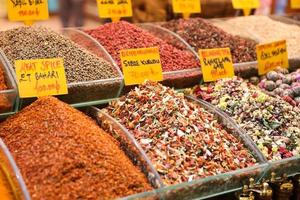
(201, 188)
(11, 180)
(90, 92)
(289, 166)
(9, 97)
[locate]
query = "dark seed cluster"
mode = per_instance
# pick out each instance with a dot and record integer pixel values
(201, 34)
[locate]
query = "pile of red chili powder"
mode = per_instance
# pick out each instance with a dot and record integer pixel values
(123, 35)
(63, 154)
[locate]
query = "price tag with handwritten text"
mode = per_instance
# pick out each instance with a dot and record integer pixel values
(41, 77)
(186, 6)
(27, 10)
(272, 55)
(114, 8)
(216, 64)
(295, 4)
(141, 64)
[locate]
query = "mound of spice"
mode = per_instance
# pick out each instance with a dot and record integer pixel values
(183, 140)
(285, 85)
(4, 102)
(80, 65)
(272, 123)
(63, 154)
(201, 34)
(264, 29)
(37, 42)
(123, 35)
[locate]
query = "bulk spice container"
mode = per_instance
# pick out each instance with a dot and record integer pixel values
(12, 186)
(186, 142)
(180, 67)
(201, 34)
(266, 29)
(8, 91)
(63, 154)
(272, 123)
(91, 79)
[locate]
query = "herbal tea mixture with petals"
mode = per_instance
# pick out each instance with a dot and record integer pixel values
(272, 123)
(183, 140)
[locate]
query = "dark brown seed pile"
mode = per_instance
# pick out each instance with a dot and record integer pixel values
(37, 42)
(201, 34)
(63, 154)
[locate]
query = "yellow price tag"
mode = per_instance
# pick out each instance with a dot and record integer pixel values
(295, 4)
(246, 5)
(114, 9)
(27, 10)
(41, 77)
(272, 55)
(186, 6)
(216, 64)
(141, 64)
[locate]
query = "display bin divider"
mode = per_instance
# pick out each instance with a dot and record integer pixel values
(17, 177)
(288, 166)
(128, 143)
(199, 188)
(241, 132)
(226, 119)
(154, 29)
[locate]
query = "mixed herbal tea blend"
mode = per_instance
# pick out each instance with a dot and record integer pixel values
(272, 123)
(182, 139)
(63, 154)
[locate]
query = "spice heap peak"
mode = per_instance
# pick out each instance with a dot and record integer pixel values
(63, 154)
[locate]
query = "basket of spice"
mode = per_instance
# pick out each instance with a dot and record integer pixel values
(180, 66)
(202, 34)
(91, 79)
(266, 29)
(64, 154)
(189, 144)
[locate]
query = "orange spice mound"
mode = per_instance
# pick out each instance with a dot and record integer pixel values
(6, 192)
(63, 154)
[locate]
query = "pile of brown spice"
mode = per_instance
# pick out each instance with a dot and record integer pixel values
(4, 102)
(201, 34)
(63, 154)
